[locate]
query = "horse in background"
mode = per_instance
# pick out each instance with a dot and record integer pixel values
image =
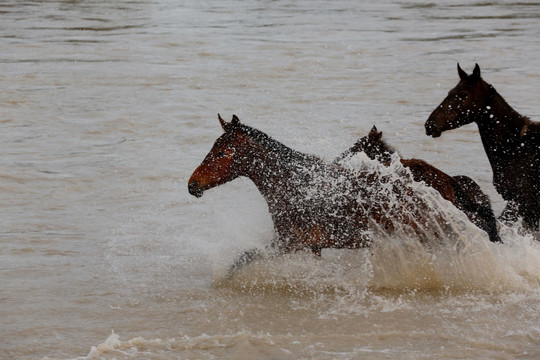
(463, 192)
(376, 149)
(313, 204)
(511, 142)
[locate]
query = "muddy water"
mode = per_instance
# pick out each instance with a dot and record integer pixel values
(107, 108)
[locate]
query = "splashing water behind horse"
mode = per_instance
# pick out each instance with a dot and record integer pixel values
(460, 190)
(316, 205)
(511, 141)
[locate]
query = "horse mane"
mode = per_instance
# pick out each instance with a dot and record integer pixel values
(275, 146)
(529, 129)
(387, 148)
(522, 123)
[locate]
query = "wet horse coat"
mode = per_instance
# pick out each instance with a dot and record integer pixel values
(313, 204)
(511, 142)
(460, 190)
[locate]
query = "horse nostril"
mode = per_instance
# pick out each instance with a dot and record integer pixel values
(194, 189)
(431, 130)
(192, 186)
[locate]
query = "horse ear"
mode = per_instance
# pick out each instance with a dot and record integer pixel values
(375, 134)
(223, 123)
(462, 74)
(235, 120)
(476, 71)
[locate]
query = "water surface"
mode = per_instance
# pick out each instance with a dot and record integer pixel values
(108, 107)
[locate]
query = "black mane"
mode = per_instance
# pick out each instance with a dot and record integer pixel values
(275, 146)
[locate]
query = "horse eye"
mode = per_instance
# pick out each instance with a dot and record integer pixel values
(220, 154)
(462, 96)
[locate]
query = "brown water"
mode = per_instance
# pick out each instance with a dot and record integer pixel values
(107, 108)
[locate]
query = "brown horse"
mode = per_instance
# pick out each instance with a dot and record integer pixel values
(511, 141)
(461, 190)
(313, 204)
(376, 149)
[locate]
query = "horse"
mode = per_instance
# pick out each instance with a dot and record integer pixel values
(511, 142)
(314, 204)
(463, 192)
(376, 149)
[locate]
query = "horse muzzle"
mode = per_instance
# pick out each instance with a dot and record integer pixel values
(195, 189)
(432, 129)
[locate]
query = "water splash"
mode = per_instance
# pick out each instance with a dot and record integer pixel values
(455, 257)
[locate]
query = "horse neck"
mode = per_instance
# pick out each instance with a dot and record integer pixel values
(276, 169)
(386, 151)
(499, 127)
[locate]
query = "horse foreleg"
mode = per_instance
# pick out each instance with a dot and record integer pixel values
(486, 222)
(245, 258)
(476, 205)
(510, 213)
(531, 221)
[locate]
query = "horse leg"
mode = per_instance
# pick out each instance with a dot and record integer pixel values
(245, 258)
(484, 218)
(513, 211)
(488, 223)
(476, 205)
(531, 221)
(510, 213)
(535, 206)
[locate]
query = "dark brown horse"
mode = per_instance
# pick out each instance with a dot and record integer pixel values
(376, 149)
(511, 141)
(461, 190)
(313, 204)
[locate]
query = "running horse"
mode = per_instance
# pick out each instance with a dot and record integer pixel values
(511, 142)
(313, 204)
(463, 192)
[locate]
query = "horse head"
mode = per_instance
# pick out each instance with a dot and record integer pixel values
(221, 164)
(464, 104)
(374, 146)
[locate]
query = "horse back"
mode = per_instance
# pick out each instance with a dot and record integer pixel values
(431, 176)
